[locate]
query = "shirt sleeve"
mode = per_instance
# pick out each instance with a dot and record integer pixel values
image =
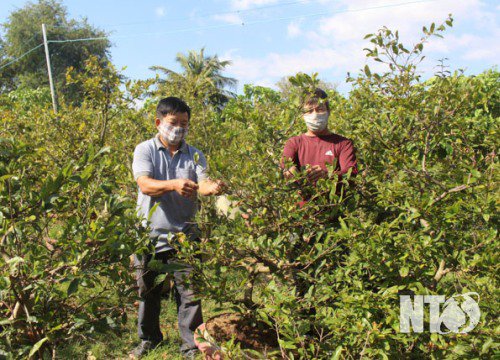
(347, 158)
(142, 164)
(290, 152)
(201, 167)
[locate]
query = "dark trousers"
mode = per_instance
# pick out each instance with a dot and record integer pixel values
(188, 309)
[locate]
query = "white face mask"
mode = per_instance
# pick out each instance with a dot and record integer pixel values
(316, 121)
(172, 134)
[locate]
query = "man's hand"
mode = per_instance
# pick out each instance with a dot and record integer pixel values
(218, 187)
(290, 173)
(212, 187)
(314, 173)
(185, 187)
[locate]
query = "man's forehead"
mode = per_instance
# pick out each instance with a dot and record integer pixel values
(315, 103)
(176, 116)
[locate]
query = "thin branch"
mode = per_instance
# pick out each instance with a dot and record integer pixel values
(441, 271)
(447, 192)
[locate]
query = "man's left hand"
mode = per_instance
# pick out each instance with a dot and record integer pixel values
(218, 187)
(212, 187)
(314, 173)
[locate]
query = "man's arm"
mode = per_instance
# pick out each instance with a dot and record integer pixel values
(153, 187)
(347, 158)
(290, 155)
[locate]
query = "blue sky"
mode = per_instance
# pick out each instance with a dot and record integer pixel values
(269, 39)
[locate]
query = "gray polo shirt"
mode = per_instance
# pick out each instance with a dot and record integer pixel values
(174, 213)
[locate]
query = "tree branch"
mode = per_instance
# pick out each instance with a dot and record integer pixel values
(447, 192)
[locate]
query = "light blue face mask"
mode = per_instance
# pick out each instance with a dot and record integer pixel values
(316, 121)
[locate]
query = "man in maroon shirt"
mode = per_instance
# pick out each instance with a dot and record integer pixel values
(317, 147)
(310, 152)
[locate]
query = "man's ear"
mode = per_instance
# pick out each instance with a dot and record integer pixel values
(157, 122)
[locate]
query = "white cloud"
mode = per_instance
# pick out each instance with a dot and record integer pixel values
(483, 49)
(230, 18)
(334, 44)
(293, 30)
(276, 65)
(160, 11)
(266, 82)
(407, 19)
(246, 4)
(228, 55)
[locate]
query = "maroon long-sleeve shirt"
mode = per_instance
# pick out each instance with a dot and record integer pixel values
(305, 150)
(319, 150)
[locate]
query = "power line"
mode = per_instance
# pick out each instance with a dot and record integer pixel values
(20, 57)
(220, 26)
(211, 27)
(337, 12)
(87, 39)
(201, 16)
(31, 38)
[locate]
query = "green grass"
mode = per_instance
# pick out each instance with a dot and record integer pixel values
(117, 344)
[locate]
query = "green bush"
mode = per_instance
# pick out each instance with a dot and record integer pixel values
(420, 218)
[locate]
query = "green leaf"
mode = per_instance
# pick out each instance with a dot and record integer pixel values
(37, 346)
(170, 268)
(152, 210)
(6, 322)
(160, 279)
(196, 157)
(486, 346)
(104, 150)
(337, 353)
(367, 71)
(287, 344)
(73, 287)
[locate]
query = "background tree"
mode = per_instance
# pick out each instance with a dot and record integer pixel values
(286, 88)
(6, 74)
(201, 79)
(23, 31)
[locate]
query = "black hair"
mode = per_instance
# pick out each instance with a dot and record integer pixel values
(316, 97)
(172, 105)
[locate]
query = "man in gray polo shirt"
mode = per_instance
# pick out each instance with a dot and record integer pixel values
(170, 173)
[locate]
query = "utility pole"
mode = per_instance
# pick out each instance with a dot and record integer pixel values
(47, 56)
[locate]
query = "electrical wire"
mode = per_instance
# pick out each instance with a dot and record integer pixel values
(211, 27)
(201, 16)
(217, 26)
(20, 57)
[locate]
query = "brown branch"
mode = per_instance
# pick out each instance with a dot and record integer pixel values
(426, 150)
(447, 192)
(362, 353)
(15, 312)
(441, 271)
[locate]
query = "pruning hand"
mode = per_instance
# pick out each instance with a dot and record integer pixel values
(314, 173)
(186, 187)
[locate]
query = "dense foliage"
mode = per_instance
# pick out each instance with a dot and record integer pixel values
(419, 218)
